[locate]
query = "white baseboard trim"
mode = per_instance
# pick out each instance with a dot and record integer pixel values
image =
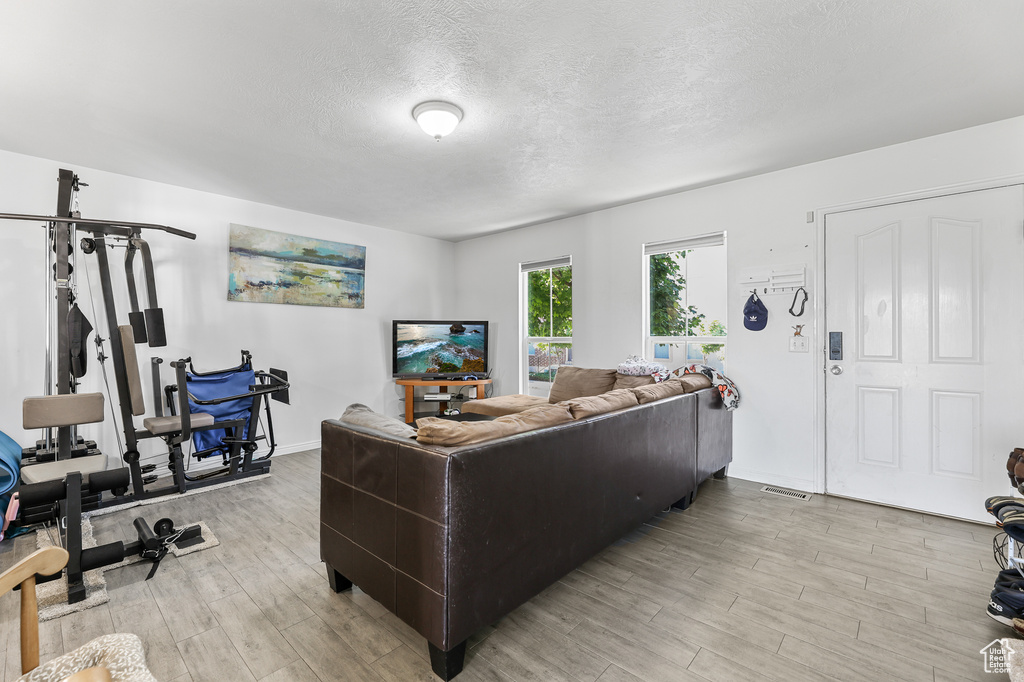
(801, 484)
(296, 447)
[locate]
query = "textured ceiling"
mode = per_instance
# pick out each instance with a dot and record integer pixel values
(569, 106)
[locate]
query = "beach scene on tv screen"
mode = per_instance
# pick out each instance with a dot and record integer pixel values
(440, 349)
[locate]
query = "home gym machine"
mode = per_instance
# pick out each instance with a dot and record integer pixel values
(195, 415)
(64, 475)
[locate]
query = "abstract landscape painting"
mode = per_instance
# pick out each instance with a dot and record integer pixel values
(274, 267)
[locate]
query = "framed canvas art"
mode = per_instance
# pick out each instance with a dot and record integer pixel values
(273, 267)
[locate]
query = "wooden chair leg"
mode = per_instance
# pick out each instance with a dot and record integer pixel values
(23, 576)
(29, 626)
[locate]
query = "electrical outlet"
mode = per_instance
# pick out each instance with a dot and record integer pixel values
(798, 344)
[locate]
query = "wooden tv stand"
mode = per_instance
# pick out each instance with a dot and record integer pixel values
(442, 384)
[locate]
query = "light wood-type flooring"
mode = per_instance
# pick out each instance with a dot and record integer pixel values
(742, 586)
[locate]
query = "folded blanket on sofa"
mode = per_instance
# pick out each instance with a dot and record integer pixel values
(637, 367)
(726, 388)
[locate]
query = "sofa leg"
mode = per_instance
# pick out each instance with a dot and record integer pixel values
(683, 503)
(339, 583)
(720, 474)
(447, 664)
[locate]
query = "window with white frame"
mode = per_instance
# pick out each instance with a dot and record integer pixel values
(686, 301)
(546, 314)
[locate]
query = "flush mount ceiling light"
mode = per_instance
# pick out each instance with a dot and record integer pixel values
(437, 118)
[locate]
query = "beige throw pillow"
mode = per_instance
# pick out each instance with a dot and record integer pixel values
(588, 406)
(437, 431)
(628, 381)
(573, 382)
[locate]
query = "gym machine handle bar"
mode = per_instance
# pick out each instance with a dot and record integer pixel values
(85, 223)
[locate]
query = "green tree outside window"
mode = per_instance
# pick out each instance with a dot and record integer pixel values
(549, 309)
(670, 314)
(549, 314)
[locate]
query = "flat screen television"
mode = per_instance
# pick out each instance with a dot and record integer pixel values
(438, 349)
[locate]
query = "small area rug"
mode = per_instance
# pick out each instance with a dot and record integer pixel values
(53, 596)
(1013, 651)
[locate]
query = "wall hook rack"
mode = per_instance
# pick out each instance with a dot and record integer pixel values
(780, 279)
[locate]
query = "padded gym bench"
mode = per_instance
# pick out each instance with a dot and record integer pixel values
(59, 411)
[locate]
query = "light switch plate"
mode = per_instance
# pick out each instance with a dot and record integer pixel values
(798, 344)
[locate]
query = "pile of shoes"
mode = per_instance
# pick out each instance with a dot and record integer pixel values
(1006, 604)
(1009, 513)
(1015, 468)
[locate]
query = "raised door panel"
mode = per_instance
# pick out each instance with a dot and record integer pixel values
(956, 434)
(878, 428)
(878, 281)
(955, 291)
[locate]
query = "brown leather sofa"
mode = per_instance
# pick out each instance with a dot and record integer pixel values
(451, 539)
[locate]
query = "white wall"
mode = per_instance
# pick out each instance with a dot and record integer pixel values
(765, 218)
(338, 356)
(334, 356)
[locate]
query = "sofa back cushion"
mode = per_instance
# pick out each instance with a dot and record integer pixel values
(437, 431)
(629, 381)
(694, 382)
(588, 406)
(573, 382)
(361, 415)
(666, 389)
(500, 405)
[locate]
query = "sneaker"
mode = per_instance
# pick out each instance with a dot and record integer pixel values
(1005, 605)
(1018, 626)
(1010, 586)
(1009, 514)
(1015, 531)
(1008, 576)
(994, 504)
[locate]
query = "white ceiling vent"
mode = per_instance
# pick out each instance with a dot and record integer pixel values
(785, 492)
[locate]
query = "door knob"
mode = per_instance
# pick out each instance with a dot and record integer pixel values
(836, 369)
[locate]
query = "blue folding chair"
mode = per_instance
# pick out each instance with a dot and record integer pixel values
(225, 395)
(234, 398)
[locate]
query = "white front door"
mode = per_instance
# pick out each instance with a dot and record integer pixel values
(929, 298)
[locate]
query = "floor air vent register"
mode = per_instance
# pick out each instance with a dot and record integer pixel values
(785, 492)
